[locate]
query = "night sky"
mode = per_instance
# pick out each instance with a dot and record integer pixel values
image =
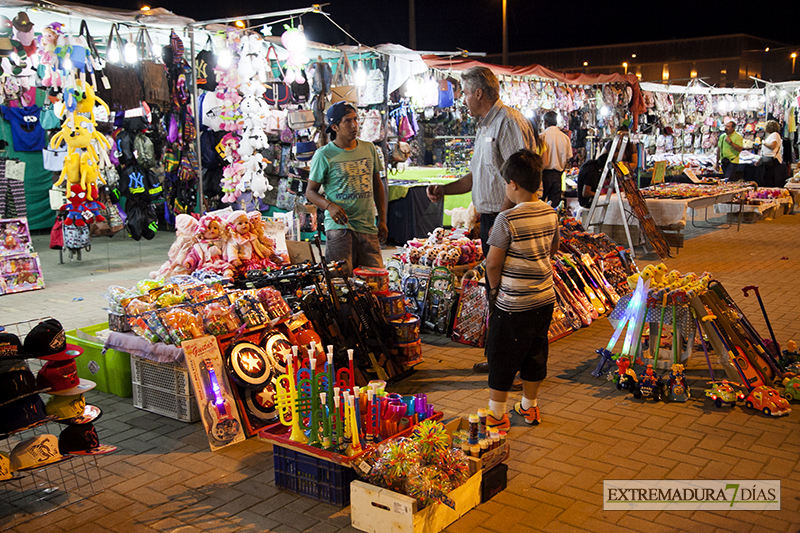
(476, 25)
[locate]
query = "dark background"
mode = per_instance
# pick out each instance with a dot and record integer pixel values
(476, 25)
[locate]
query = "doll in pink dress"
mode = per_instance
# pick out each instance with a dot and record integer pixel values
(267, 245)
(207, 252)
(184, 240)
(243, 250)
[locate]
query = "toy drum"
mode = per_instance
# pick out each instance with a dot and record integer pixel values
(406, 329)
(409, 354)
(376, 278)
(393, 304)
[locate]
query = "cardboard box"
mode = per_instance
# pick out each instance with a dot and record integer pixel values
(377, 510)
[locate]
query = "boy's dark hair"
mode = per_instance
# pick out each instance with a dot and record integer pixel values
(525, 169)
(550, 119)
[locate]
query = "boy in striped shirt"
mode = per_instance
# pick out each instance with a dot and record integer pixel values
(521, 296)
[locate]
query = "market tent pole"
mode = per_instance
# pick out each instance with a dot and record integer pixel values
(316, 8)
(197, 144)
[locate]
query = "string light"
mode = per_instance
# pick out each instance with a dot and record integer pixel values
(224, 58)
(361, 74)
(113, 53)
(67, 64)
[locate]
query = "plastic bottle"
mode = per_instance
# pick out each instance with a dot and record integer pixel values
(475, 450)
(482, 423)
(473, 429)
(495, 439)
(502, 437)
(484, 444)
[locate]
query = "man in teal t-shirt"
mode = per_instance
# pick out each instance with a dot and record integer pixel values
(728, 150)
(349, 169)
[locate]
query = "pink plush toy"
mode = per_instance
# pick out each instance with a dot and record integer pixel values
(206, 253)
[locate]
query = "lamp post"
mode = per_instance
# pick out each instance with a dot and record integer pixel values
(794, 58)
(626, 68)
(505, 35)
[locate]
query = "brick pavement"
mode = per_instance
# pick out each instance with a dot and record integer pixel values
(164, 477)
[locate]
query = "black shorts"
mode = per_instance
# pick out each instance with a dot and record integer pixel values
(517, 342)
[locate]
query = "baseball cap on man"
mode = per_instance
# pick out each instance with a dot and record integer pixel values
(336, 112)
(48, 341)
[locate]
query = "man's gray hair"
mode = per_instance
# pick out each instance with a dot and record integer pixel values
(482, 78)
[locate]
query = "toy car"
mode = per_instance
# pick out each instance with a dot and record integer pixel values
(723, 393)
(625, 377)
(649, 385)
(791, 388)
(767, 400)
(677, 388)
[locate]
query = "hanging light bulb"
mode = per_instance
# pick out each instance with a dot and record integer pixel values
(156, 49)
(130, 53)
(113, 53)
(67, 64)
(762, 98)
(722, 105)
(224, 58)
(783, 93)
(529, 113)
(361, 74)
(605, 111)
(35, 60)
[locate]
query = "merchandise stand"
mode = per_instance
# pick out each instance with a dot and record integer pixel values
(42, 490)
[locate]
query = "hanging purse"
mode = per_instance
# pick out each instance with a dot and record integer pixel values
(374, 90)
(300, 119)
(277, 93)
(152, 73)
(446, 98)
(343, 90)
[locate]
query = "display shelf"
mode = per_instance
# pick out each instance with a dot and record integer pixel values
(40, 490)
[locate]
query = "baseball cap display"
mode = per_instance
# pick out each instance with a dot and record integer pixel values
(48, 341)
(90, 414)
(81, 439)
(5, 467)
(16, 381)
(10, 347)
(65, 407)
(62, 379)
(22, 414)
(36, 451)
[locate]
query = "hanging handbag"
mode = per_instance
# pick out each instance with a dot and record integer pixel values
(373, 92)
(152, 73)
(300, 119)
(371, 126)
(48, 118)
(277, 93)
(57, 235)
(123, 90)
(53, 158)
(343, 89)
(304, 150)
(301, 92)
(446, 98)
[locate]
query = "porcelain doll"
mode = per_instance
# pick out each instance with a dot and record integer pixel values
(207, 251)
(243, 250)
(185, 226)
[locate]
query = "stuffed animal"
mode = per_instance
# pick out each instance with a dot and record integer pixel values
(47, 54)
(461, 217)
(294, 41)
(231, 177)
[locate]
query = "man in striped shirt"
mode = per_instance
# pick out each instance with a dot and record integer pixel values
(501, 131)
(520, 280)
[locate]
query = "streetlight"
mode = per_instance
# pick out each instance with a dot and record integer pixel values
(626, 68)
(794, 58)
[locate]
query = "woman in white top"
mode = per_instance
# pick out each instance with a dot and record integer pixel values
(771, 154)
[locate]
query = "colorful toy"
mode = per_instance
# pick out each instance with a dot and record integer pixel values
(767, 400)
(723, 393)
(649, 385)
(791, 388)
(677, 389)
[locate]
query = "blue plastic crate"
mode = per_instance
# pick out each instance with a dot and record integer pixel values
(312, 477)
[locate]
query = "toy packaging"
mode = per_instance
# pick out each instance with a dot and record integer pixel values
(213, 392)
(15, 238)
(20, 273)
(441, 298)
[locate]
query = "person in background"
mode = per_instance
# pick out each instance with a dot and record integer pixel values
(728, 149)
(349, 169)
(771, 154)
(559, 152)
(589, 179)
(631, 155)
(519, 278)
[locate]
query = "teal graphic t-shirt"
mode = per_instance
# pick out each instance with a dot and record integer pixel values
(346, 176)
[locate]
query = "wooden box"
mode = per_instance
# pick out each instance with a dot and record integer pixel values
(377, 510)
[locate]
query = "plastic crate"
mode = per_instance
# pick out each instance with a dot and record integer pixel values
(109, 369)
(167, 377)
(312, 477)
(183, 408)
